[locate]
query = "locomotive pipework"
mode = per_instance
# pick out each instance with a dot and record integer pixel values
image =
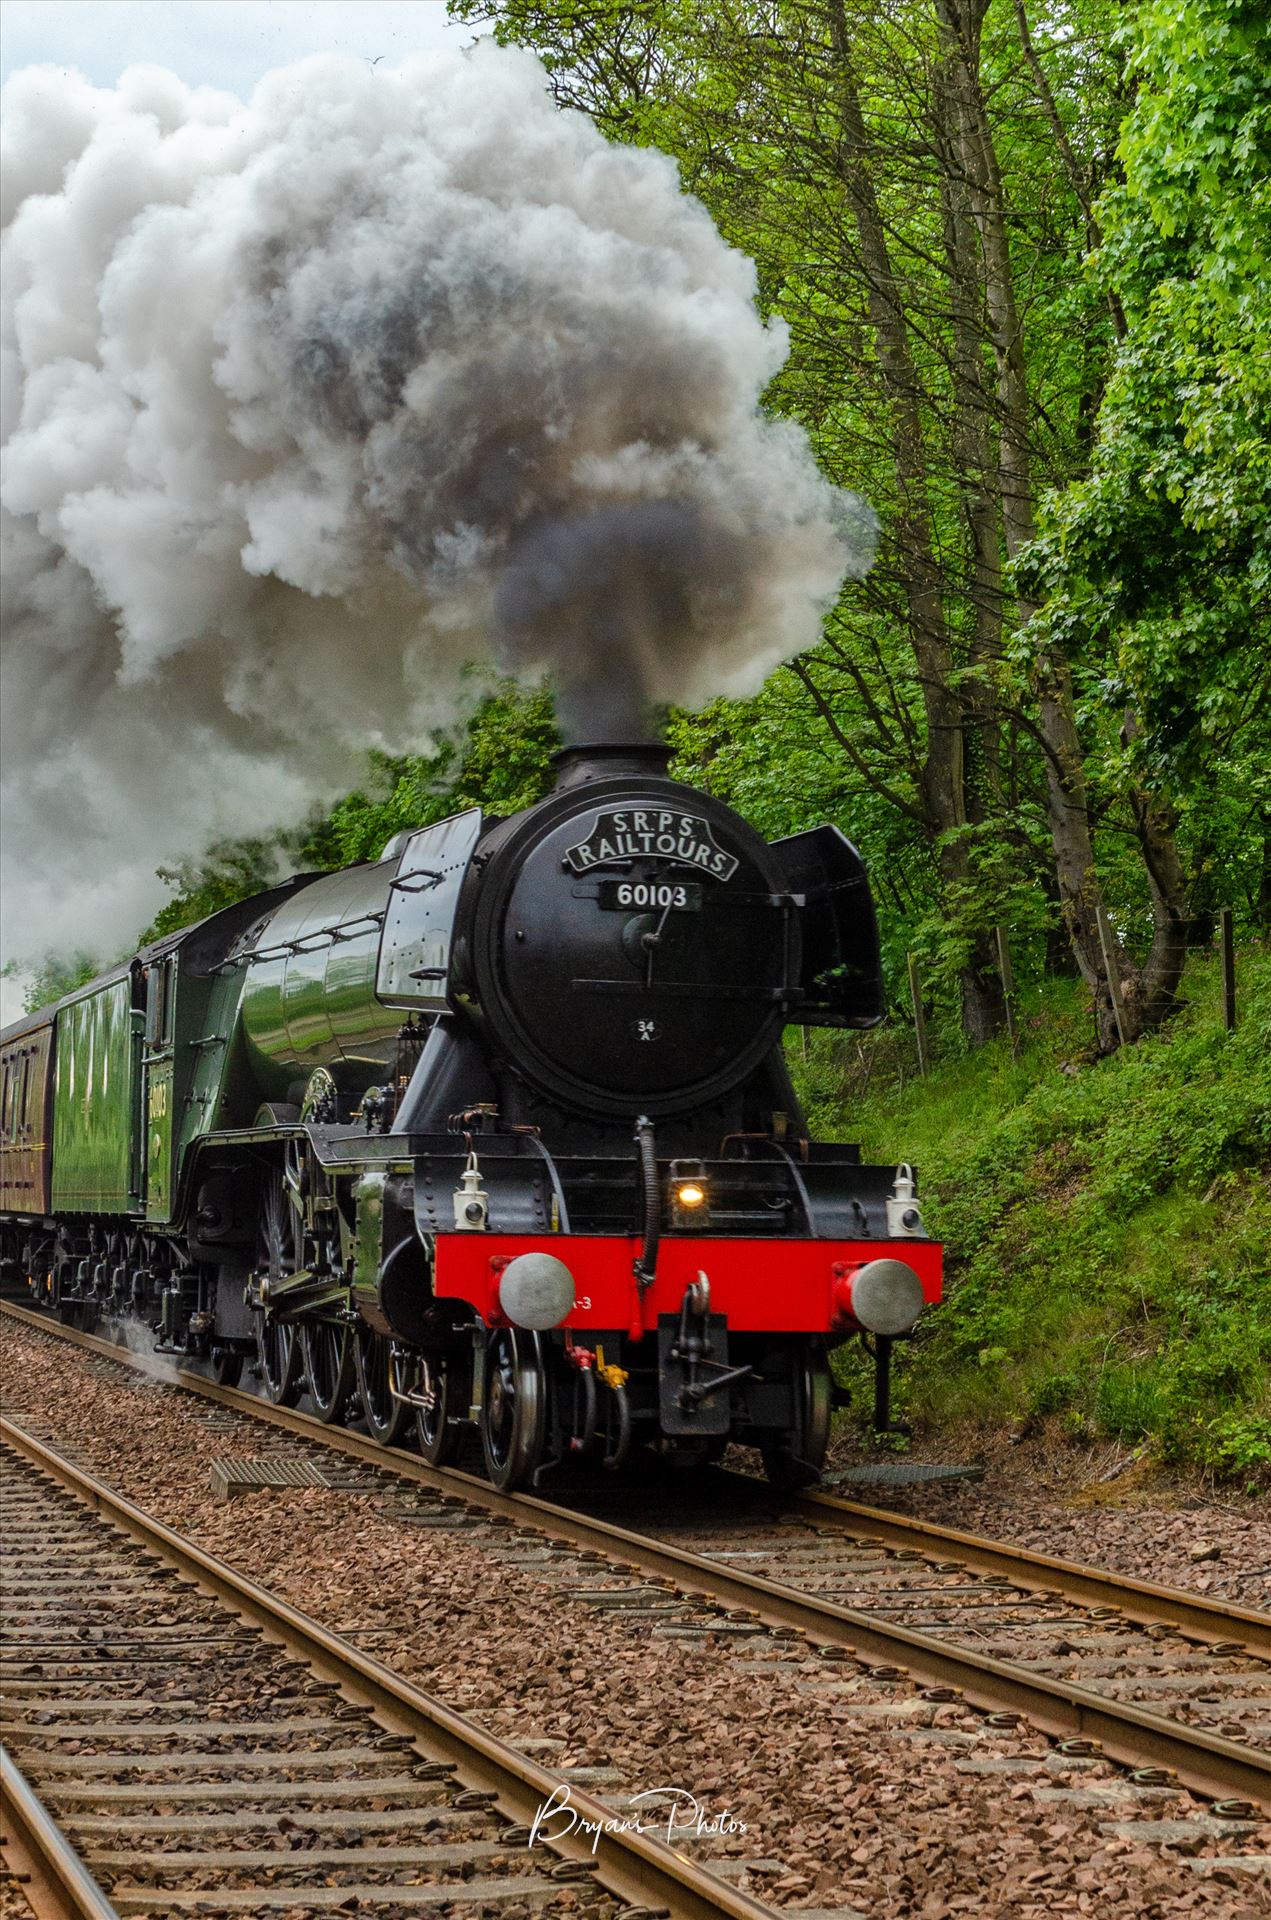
(492, 1136)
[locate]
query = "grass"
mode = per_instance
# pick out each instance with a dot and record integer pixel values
(1107, 1224)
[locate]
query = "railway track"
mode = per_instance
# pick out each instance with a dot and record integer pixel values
(43, 1874)
(185, 1740)
(903, 1599)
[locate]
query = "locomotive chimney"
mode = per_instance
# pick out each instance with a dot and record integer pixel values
(609, 760)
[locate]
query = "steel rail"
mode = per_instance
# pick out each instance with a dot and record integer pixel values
(639, 1869)
(60, 1885)
(1206, 1762)
(1143, 1601)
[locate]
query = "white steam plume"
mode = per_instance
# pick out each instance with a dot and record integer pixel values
(310, 401)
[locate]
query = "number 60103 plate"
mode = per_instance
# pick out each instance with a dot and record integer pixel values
(650, 896)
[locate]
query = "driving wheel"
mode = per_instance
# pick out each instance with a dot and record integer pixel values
(277, 1348)
(386, 1417)
(329, 1369)
(440, 1428)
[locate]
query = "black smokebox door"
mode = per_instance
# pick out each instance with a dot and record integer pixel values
(644, 1003)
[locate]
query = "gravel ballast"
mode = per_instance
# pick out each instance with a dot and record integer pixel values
(845, 1792)
(1156, 1531)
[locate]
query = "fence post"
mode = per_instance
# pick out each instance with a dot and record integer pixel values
(1114, 985)
(1226, 923)
(920, 1022)
(1008, 989)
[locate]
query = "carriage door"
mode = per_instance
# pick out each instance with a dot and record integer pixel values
(157, 1061)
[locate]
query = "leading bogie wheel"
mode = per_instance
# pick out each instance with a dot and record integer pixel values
(387, 1418)
(329, 1367)
(794, 1458)
(513, 1407)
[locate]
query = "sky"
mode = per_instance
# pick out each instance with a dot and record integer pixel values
(219, 43)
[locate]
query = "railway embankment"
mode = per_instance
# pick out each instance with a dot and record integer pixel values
(1108, 1232)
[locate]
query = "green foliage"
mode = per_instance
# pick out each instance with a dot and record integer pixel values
(230, 870)
(1147, 207)
(55, 976)
(1156, 567)
(1107, 1229)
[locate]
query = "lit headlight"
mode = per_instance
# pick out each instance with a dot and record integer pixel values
(689, 1194)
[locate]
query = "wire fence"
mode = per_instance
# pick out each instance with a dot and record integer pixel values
(1001, 941)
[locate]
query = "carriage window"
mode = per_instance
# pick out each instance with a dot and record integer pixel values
(4, 1099)
(23, 1116)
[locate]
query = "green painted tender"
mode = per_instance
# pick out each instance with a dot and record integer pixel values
(194, 1076)
(97, 1100)
(147, 1061)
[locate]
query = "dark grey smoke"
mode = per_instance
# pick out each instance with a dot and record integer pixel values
(313, 401)
(620, 587)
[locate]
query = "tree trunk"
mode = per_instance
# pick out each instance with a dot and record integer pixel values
(944, 769)
(973, 460)
(1149, 992)
(1080, 899)
(1155, 988)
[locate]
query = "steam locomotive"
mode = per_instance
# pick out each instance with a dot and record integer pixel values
(491, 1135)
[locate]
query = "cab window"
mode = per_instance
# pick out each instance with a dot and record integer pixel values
(159, 1004)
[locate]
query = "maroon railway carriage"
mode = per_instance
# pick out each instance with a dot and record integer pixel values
(26, 1115)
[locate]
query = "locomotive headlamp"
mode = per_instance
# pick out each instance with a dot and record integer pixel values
(688, 1193)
